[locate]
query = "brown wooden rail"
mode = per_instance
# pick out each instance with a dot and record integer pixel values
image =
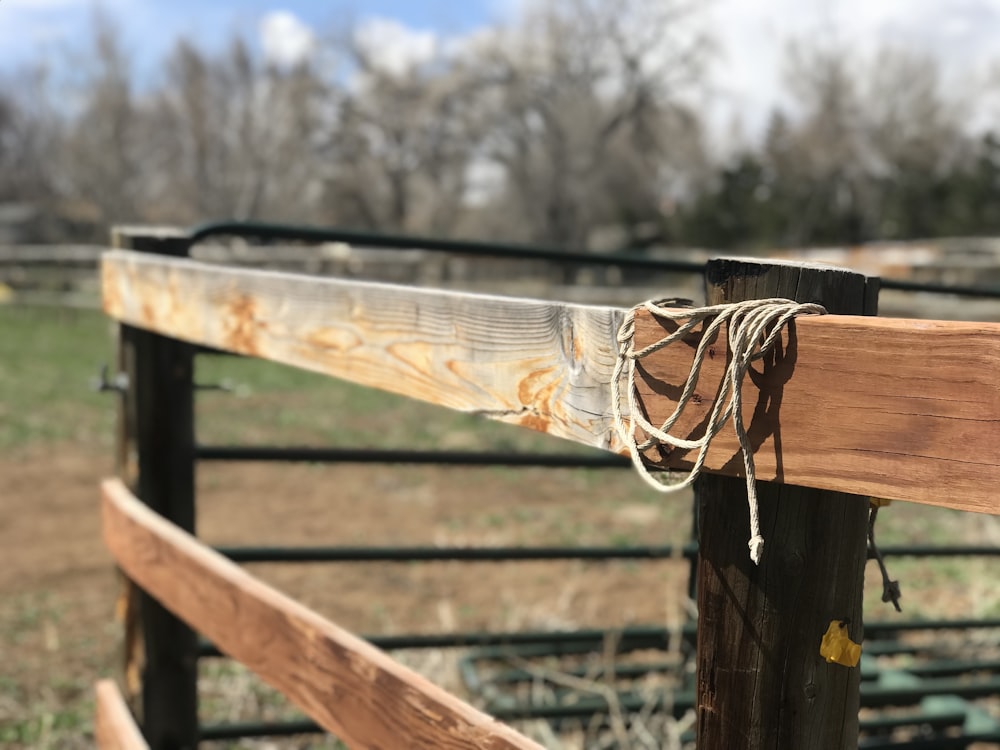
(349, 687)
(114, 727)
(902, 409)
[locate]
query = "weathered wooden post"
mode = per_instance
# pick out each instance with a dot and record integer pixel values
(761, 680)
(156, 460)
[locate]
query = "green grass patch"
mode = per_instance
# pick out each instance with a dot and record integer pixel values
(48, 360)
(48, 729)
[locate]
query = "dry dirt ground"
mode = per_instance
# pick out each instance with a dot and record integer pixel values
(59, 589)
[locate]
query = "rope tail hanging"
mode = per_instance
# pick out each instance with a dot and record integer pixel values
(754, 327)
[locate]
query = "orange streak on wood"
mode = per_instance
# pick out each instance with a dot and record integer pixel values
(348, 686)
(538, 386)
(114, 727)
(240, 326)
(110, 294)
(334, 340)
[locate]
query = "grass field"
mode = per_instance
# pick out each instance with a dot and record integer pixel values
(57, 589)
(48, 356)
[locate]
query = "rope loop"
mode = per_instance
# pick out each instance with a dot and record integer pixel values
(754, 327)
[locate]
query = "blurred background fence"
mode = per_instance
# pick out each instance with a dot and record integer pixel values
(958, 276)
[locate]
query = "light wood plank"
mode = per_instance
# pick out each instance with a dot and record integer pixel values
(903, 409)
(114, 727)
(537, 364)
(349, 687)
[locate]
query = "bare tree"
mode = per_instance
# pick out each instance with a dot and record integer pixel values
(588, 113)
(400, 145)
(29, 130)
(576, 114)
(237, 137)
(102, 153)
(866, 125)
(909, 116)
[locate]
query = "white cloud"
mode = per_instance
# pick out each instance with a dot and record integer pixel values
(285, 39)
(748, 79)
(394, 47)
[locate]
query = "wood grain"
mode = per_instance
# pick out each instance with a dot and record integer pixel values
(903, 409)
(762, 683)
(348, 686)
(114, 727)
(536, 364)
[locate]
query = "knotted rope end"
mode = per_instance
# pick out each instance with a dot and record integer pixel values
(756, 545)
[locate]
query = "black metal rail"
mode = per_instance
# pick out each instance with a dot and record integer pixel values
(441, 554)
(549, 642)
(878, 726)
(626, 258)
(309, 454)
(903, 285)
(290, 233)
(689, 551)
(626, 639)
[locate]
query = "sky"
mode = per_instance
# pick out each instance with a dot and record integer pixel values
(746, 78)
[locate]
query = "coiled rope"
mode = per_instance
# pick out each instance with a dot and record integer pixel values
(754, 327)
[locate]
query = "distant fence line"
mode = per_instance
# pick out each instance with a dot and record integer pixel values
(24, 265)
(66, 274)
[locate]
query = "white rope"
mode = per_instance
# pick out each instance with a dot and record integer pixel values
(754, 327)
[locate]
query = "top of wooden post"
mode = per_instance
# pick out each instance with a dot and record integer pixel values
(762, 682)
(841, 290)
(135, 236)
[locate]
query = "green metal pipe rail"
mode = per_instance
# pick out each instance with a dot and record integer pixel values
(940, 688)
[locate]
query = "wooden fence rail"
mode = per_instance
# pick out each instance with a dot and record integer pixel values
(348, 686)
(871, 406)
(114, 727)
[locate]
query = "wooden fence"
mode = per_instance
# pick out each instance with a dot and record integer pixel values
(851, 407)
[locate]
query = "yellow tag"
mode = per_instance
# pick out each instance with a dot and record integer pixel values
(837, 647)
(879, 502)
